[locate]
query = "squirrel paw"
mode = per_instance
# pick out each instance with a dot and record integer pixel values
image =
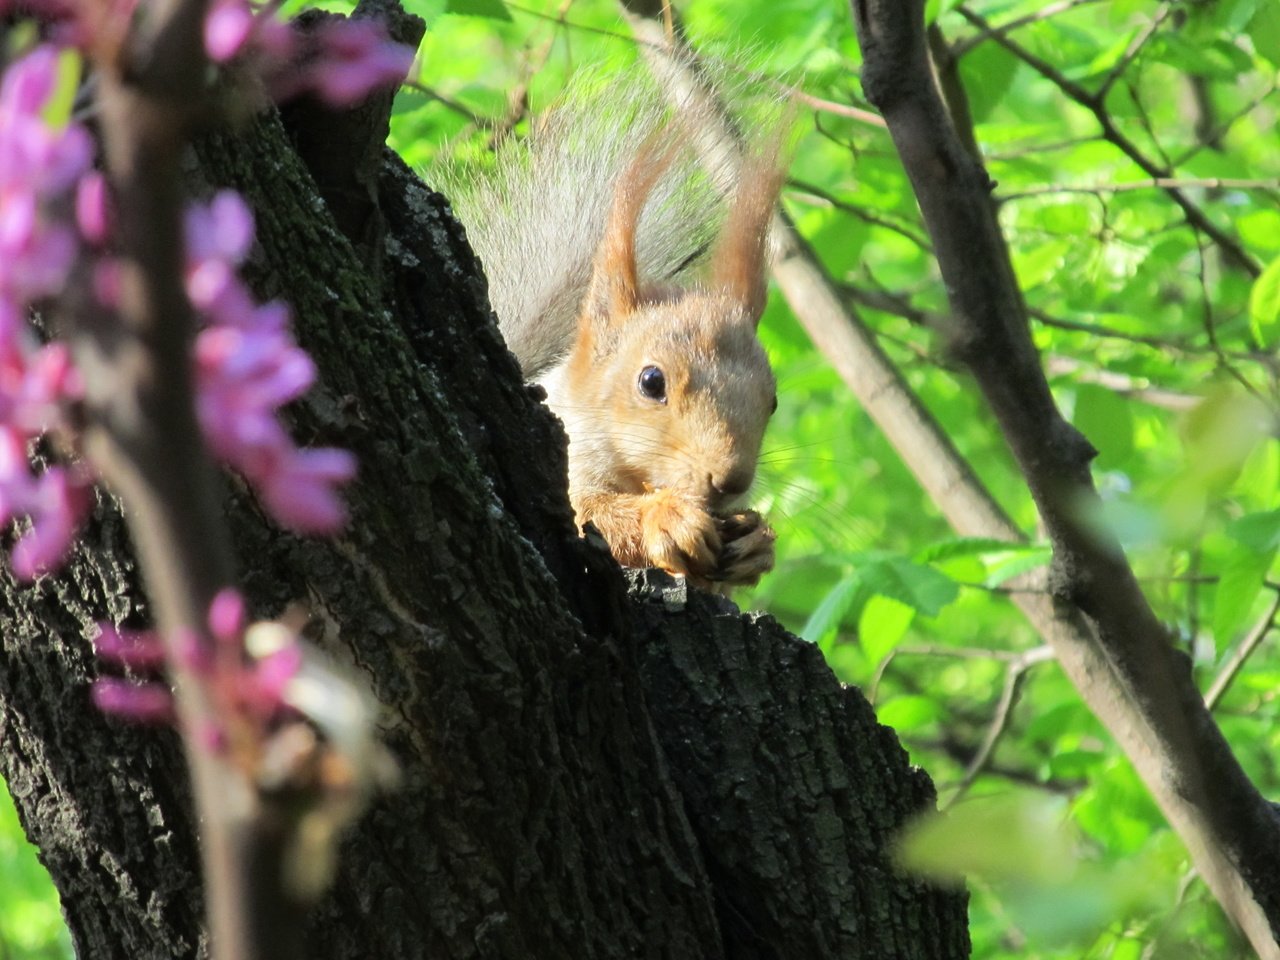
(747, 553)
(680, 536)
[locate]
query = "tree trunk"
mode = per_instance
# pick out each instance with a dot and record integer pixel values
(584, 773)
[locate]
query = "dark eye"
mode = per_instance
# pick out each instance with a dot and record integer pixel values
(653, 384)
(774, 408)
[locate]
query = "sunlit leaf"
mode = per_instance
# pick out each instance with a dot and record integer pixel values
(909, 713)
(1106, 419)
(1016, 564)
(882, 624)
(1264, 29)
(969, 547)
(1264, 304)
(920, 587)
(493, 9)
(826, 617)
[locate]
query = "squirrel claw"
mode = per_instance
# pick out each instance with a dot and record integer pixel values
(748, 548)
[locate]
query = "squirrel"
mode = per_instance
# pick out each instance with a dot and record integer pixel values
(664, 389)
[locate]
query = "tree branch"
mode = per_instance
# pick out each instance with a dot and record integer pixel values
(1107, 638)
(143, 436)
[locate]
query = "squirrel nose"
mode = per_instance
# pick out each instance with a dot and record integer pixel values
(732, 482)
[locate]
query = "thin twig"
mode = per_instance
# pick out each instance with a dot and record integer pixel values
(861, 213)
(1014, 674)
(1231, 669)
(1049, 10)
(1074, 91)
(1155, 183)
(1131, 52)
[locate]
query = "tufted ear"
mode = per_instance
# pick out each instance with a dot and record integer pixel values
(739, 259)
(614, 290)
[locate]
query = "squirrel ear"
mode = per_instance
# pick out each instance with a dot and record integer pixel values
(739, 259)
(614, 290)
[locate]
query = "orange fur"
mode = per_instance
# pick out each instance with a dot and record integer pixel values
(658, 478)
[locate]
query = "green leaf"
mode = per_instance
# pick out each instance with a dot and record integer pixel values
(988, 75)
(57, 111)
(1238, 587)
(1106, 419)
(1041, 264)
(969, 547)
(1264, 304)
(1264, 29)
(935, 8)
(1260, 532)
(921, 587)
(1016, 564)
(881, 626)
(825, 620)
(1261, 228)
(909, 713)
(492, 9)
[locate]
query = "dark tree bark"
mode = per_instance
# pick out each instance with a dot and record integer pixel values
(584, 772)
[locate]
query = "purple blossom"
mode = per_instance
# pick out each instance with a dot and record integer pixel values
(221, 230)
(244, 675)
(227, 29)
(92, 215)
(57, 503)
(340, 61)
(36, 158)
(143, 702)
(300, 491)
(136, 649)
(354, 59)
(247, 368)
(247, 365)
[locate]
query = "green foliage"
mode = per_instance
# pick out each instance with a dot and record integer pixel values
(31, 925)
(1158, 343)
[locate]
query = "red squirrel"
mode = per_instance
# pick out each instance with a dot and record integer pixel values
(663, 386)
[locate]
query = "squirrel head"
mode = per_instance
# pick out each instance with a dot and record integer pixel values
(669, 388)
(675, 395)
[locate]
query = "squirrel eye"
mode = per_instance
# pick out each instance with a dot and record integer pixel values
(774, 408)
(653, 384)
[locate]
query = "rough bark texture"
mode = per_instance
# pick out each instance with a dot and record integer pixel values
(583, 775)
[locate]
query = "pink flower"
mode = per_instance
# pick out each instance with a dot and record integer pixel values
(246, 369)
(135, 649)
(355, 58)
(220, 230)
(227, 28)
(300, 490)
(227, 616)
(244, 675)
(57, 507)
(91, 207)
(28, 83)
(340, 61)
(143, 702)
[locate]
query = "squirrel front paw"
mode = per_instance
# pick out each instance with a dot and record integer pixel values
(747, 551)
(679, 535)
